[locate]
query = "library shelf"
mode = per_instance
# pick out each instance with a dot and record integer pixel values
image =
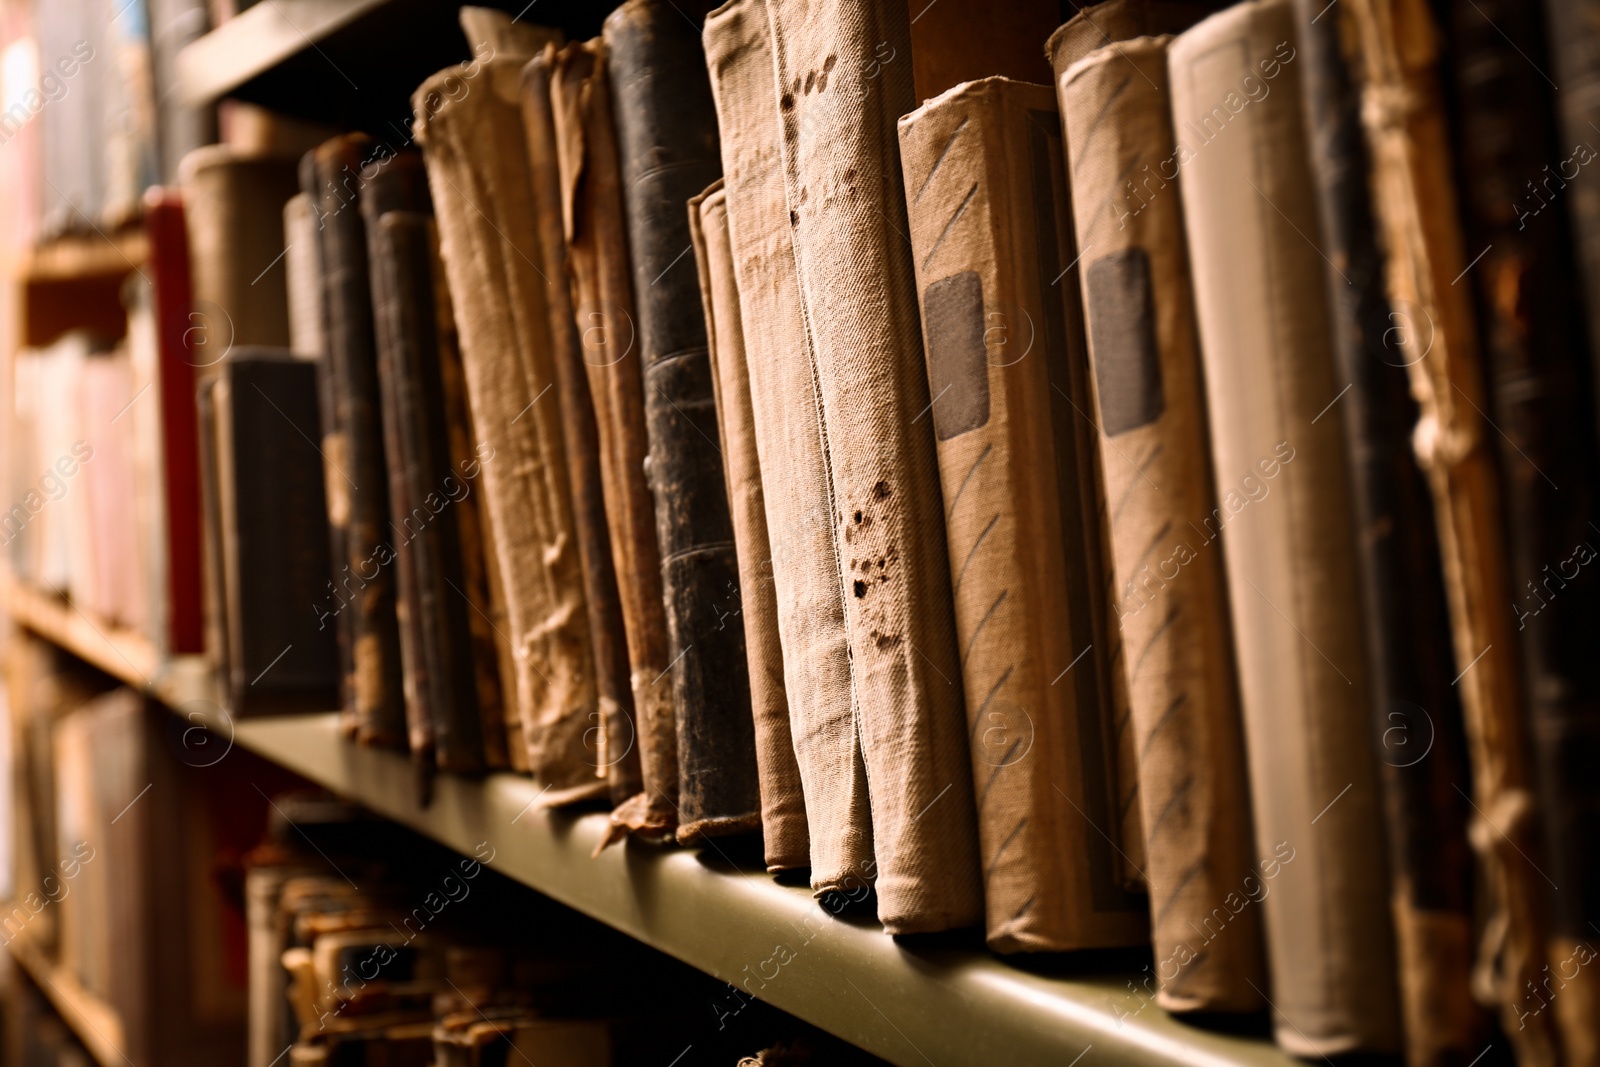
(76, 256)
(93, 1021)
(909, 1001)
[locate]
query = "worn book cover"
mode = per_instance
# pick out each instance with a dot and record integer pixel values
(991, 232)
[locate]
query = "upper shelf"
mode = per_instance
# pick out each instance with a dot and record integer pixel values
(349, 63)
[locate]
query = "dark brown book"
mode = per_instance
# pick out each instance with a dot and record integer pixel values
(619, 754)
(668, 150)
(424, 487)
(365, 579)
(271, 532)
(1541, 388)
(1414, 708)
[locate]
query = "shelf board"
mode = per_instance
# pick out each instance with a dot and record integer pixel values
(131, 657)
(90, 1018)
(86, 256)
(898, 1000)
(351, 63)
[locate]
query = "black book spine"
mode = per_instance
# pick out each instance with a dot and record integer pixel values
(669, 148)
(365, 577)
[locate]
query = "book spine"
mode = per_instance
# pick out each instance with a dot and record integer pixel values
(1171, 596)
(1516, 202)
(427, 540)
(363, 574)
(1284, 523)
(794, 473)
(858, 294)
(479, 594)
(989, 217)
(668, 151)
(1415, 203)
(618, 754)
(602, 298)
(783, 813)
(505, 350)
(1415, 710)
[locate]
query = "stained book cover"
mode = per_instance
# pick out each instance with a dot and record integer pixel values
(991, 230)
(1285, 529)
(1171, 599)
(838, 103)
(783, 813)
(503, 327)
(668, 151)
(786, 419)
(618, 750)
(593, 220)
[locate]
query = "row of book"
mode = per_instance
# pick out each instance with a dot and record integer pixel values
(1097, 510)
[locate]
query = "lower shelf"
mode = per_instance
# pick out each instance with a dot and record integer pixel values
(91, 1019)
(909, 1005)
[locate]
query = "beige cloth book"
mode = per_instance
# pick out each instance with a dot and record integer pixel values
(602, 298)
(1171, 595)
(489, 245)
(783, 810)
(839, 100)
(1414, 199)
(990, 227)
(1284, 519)
(794, 473)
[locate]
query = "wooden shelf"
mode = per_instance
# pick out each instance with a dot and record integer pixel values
(316, 59)
(90, 1018)
(178, 681)
(67, 259)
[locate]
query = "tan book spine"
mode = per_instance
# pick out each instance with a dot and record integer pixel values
(783, 812)
(602, 298)
(990, 226)
(1171, 597)
(1284, 523)
(841, 89)
(498, 296)
(794, 474)
(1414, 199)
(617, 756)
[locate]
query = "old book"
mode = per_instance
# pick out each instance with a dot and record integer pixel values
(1415, 202)
(990, 230)
(1284, 524)
(233, 205)
(858, 295)
(272, 534)
(365, 578)
(435, 637)
(1542, 393)
(1171, 597)
(490, 659)
(302, 265)
(617, 754)
(492, 263)
(783, 811)
(178, 497)
(963, 41)
(602, 299)
(794, 473)
(1415, 711)
(668, 151)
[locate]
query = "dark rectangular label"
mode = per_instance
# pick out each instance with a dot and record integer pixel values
(1122, 337)
(958, 364)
